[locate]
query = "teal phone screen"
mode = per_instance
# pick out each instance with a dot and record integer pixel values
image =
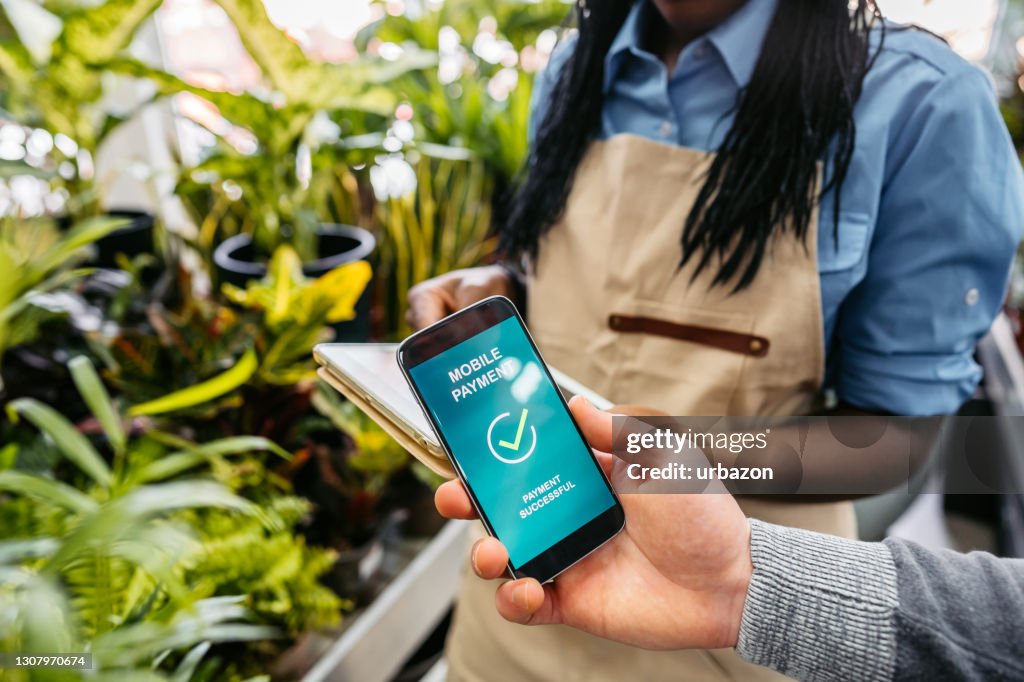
(508, 430)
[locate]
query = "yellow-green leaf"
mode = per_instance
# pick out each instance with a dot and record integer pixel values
(285, 272)
(203, 392)
(343, 285)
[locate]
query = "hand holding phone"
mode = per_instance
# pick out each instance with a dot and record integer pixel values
(675, 578)
(510, 436)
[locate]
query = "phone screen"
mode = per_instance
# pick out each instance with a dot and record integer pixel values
(507, 428)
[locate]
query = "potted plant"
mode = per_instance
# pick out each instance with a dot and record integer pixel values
(38, 263)
(235, 367)
(57, 63)
(249, 199)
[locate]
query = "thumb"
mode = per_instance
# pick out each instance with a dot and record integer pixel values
(527, 602)
(596, 424)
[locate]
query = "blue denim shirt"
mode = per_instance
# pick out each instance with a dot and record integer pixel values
(932, 208)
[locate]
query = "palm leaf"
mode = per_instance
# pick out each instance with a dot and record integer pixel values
(96, 397)
(75, 447)
(189, 662)
(13, 551)
(46, 490)
(176, 462)
(122, 518)
(79, 236)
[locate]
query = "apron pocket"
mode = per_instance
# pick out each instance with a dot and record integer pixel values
(734, 342)
(683, 361)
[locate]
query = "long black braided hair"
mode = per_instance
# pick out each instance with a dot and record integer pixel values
(796, 111)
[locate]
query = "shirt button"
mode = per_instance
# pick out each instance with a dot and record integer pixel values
(666, 129)
(701, 51)
(972, 297)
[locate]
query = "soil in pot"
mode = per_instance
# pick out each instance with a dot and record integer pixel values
(237, 263)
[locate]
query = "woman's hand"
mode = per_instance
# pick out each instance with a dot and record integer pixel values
(441, 296)
(676, 577)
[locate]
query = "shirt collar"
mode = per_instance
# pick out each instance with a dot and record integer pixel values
(628, 39)
(738, 40)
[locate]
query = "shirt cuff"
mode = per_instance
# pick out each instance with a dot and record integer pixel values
(819, 607)
(907, 385)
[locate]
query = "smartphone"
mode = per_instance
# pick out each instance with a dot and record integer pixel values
(511, 438)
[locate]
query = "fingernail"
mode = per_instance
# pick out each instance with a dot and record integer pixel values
(472, 553)
(521, 595)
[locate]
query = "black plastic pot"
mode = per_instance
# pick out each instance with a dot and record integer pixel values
(236, 264)
(133, 239)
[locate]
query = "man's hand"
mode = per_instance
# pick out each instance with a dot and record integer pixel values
(441, 296)
(675, 578)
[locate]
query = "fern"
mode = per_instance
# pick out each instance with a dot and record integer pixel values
(269, 563)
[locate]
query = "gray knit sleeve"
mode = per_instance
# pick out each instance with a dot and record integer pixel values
(961, 616)
(819, 607)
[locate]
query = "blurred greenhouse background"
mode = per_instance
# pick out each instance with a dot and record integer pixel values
(192, 194)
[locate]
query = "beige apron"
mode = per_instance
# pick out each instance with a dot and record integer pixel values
(609, 306)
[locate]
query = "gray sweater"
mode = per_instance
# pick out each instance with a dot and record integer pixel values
(824, 608)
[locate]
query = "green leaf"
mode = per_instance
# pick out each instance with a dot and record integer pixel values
(46, 490)
(241, 444)
(16, 63)
(187, 668)
(98, 400)
(169, 465)
(152, 500)
(12, 169)
(8, 456)
(79, 236)
(281, 59)
(241, 108)
(122, 518)
(177, 462)
(203, 392)
(13, 551)
(45, 616)
(72, 444)
(158, 549)
(96, 34)
(36, 28)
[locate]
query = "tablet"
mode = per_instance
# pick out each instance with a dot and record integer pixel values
(371, 371)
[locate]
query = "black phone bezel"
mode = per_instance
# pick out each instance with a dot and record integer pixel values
(461, 326)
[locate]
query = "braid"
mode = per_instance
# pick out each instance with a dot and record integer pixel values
(572, 120)
(797, 110)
